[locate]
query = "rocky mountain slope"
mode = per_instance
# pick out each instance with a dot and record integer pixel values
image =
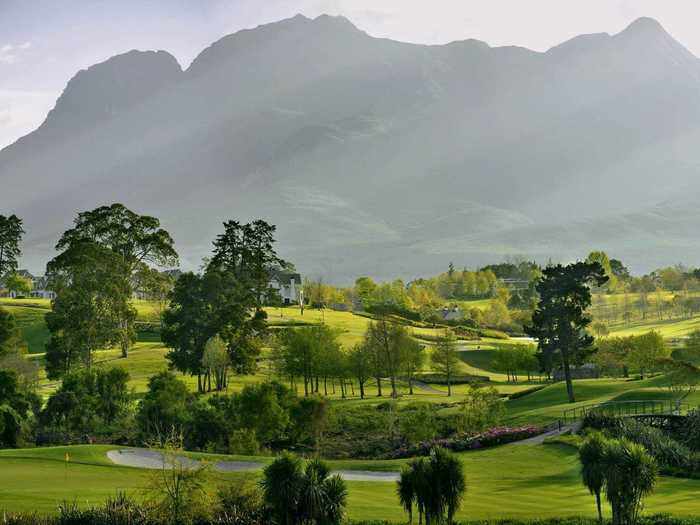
(378, 157)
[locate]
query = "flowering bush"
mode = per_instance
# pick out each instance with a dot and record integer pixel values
(462, 442)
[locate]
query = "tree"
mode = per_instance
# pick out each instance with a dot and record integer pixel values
(600, 329)
(388, 342)
(308, 352)
(17, 405)
(483, 409)
(646, 351)
(88, 400)
(690, 351)
(9, 333)
(630, 475)
(360, 362)
(681, 378)
(364, 288)
(136, 239)
(560, 320)
(613, 354)
(625, 470)
(436, 485)
(244, 257)
(10, 238)
(164, 408)
(247, 252)
(602, 258)
(216, 362)
(91, 309)
(444, 357)
(592, 455)
(179, 486)
(18, 283)
(298, 493)
(413, 361)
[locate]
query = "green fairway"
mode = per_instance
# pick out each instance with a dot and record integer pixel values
(524, 481)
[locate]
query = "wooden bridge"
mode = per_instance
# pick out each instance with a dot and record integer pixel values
(655, 412)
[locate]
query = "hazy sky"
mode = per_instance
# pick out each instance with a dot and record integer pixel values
(43, 43)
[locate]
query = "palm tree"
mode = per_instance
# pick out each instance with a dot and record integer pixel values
(630, 474)
(436, 485)
(336, 500)
(450, 472)
(406, 490)
(281, 484)
(298, 494)
(592, 457)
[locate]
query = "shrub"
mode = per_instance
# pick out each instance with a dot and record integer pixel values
(463, 442)
(244, 442)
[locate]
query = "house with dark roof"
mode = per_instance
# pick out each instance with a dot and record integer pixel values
(287, 285)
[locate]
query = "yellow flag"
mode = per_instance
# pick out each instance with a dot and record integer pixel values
(67, 457)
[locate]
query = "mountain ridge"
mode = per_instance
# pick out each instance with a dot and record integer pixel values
(357, 146)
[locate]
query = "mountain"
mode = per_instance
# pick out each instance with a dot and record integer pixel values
(379, 157)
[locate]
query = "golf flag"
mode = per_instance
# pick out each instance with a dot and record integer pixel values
(67, 457)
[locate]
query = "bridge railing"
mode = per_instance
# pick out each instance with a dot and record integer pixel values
(627, 408)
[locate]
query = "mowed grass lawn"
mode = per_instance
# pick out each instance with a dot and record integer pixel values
(523, 481)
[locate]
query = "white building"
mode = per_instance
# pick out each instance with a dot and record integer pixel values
(287, 285)
(40, 288)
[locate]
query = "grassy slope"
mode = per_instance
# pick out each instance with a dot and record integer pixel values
(520, 481)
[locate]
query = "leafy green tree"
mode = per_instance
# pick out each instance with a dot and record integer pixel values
(613, 354)
(135, 239)
(364, 288)
(18, 283)
(247, 252)
(646, 352)
(389, 343)
(164, 408)
(264, 408)
(9, 333)
(360, 361)
(602, 258)
(10, 238)
(189, 322)
(307, 352)
(559, 323)
(90, 308)
(444, 358)
(244, 258)
(17, 407)
(413, 361)
(88, 400)
(483, 409)
(592, 457)
(216, 362)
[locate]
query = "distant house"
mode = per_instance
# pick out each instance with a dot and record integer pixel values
(287, 285)
(40, 287)
(450, 314)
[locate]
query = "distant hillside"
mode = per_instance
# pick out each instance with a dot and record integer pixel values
(378, 157)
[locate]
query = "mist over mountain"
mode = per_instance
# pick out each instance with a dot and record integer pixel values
(379, 157)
